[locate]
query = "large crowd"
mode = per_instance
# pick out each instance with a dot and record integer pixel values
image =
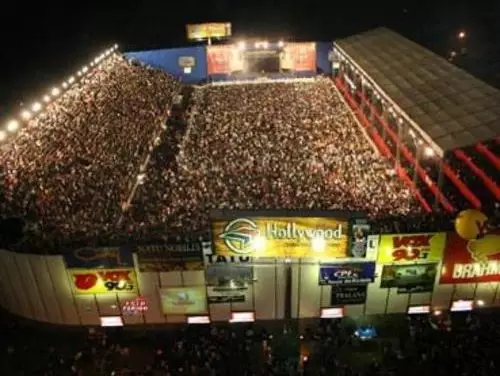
(69, 170)
(76, 172)
(268, 146)
(463, 344)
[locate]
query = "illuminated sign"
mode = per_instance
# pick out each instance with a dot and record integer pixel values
(198, 320)
(111, 321)
(462, 305)
(103, 281)
(242, 317)
(411, 248)
(208, 30)
(332, 313)
(414, 310)
(280, 237)
(135, 306)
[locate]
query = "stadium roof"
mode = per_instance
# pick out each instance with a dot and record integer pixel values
(451, 106)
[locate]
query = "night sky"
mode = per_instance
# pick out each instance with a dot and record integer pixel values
(44, 43)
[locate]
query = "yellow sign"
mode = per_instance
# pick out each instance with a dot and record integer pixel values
(280, 237)
(103, 281)
(411, 248)
(184, 300)
(209, 30)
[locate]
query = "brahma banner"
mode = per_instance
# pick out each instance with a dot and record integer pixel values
(102, 281)
(299, 57)
(471, 261)
(219, 59)
(411, 248)
(292, 237)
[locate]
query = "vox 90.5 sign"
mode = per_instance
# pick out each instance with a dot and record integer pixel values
(103, 281)
(411, 248)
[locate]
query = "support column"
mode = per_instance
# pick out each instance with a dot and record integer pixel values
(439, 183)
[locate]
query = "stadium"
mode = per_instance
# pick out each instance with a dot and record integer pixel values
(253, 180)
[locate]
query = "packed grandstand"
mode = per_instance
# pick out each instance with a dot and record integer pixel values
(104, 161)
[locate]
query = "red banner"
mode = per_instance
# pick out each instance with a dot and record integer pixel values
(302, 56)
(471, 261)
(219, 59)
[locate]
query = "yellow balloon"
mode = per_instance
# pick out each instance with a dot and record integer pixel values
(469, 224)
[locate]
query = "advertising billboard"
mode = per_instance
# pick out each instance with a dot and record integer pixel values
(409, 278)
(347, 274)
(102, 281)
(94, 258)
(411, 248)
(208, 30)
(184, 300)
(348, 294)
(288, 237)
(471, 261)
(219, 59)
(299, 57)
(358, 241)
(226, 294)
(168, 257)
(235, 271)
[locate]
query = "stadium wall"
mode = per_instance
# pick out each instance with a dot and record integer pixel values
(170, 60)
(38, 287)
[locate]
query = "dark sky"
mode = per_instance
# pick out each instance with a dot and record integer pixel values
(43, 43)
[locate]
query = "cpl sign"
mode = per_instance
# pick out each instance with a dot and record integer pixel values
(103, 281)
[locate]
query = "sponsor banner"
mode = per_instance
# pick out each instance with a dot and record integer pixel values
(347, 274)
(348, 294)
(102, 281)
(299, 57)
(208, 30)
(409, 278)
(219, 59)
(471, 261)
(287, 237)
(223, 294)
(184, 300)
(372, 247)
(234, 271)
(358, 241)
(94, 258)
(170, 257)
(411, 248)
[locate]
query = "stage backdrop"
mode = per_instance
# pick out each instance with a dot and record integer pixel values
(299, 57)
(174, 61)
